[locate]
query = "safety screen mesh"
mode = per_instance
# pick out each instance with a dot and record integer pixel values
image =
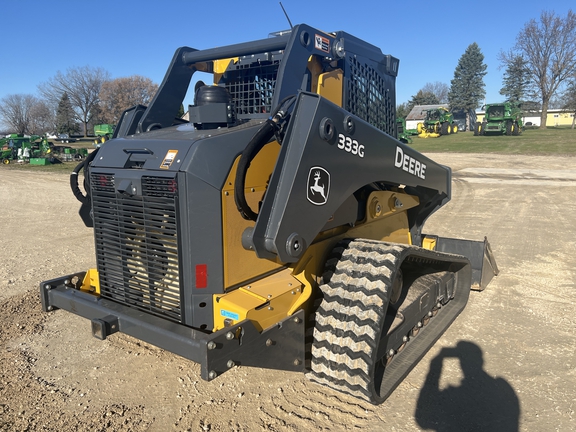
(251, 86)
(369, 95)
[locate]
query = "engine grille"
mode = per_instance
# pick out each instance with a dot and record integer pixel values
(137, 245)
(369, 96)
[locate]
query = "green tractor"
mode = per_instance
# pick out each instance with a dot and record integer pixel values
(500, 119)
(439, 121)
(7, 151)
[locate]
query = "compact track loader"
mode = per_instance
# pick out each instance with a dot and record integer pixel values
(280, 226)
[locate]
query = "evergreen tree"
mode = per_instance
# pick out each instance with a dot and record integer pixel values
(467, 86)
(422, 98)
(515, 80)
(402, 110)
(65, 116)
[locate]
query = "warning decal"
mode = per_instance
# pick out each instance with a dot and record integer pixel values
(168, 159)
(322, 43)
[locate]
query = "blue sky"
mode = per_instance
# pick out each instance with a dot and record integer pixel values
(139, 37)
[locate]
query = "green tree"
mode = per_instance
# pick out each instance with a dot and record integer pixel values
(549, 48)
(422, 98)
(65, 116)
(467, 86)
(402, 110)
(97, 117)
(515, 81)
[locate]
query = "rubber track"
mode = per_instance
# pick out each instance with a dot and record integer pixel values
(349, 321)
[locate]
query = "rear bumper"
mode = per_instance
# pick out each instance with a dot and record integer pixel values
(280, 346)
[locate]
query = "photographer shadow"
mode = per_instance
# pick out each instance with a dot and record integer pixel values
(479, 403)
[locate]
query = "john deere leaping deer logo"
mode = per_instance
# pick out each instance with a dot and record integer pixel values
(318, 185)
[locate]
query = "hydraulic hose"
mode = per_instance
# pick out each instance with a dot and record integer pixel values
(74, 183)
(268, 130)
(261, 138)
(74, 178)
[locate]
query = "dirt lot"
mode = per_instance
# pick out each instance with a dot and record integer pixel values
(507, 363)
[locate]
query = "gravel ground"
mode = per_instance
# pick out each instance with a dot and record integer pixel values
(507, 363)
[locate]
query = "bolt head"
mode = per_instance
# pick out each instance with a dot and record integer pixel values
(211, 345)
(230, 363)
(229, 335)
(212, 374)
(297, 362)
(50, 308)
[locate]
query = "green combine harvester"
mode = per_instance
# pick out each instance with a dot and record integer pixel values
(500, 119)
(103, 133)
